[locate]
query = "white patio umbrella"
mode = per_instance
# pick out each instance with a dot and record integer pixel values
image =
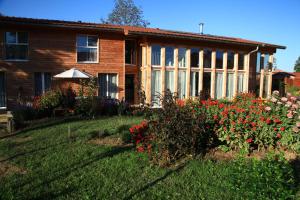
(73, 73)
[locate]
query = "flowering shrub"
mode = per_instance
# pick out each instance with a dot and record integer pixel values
(140, 137)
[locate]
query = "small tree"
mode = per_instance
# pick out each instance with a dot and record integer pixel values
(297, 65)
(126, 12)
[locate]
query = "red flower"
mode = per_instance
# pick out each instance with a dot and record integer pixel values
(278, 135)
(275, 129)
(262, 119)
(282, 129)
(215, 117)
(249, 140)
(253, 124)
(277, 121)
(221, 105)
(268, 121)
(140, 149)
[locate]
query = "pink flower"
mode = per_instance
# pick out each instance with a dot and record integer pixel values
(276, 92)
(295, 106)
(284, 99)
(268, 108)
(295, 129)
(290, 115)
(298, 124)
(293, 98)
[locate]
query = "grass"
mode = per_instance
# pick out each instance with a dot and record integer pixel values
(57, 167)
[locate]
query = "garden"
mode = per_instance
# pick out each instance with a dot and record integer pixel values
(247, 148)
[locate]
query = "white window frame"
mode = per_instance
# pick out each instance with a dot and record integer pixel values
(16, 43)
(106, 76)
(92, 47)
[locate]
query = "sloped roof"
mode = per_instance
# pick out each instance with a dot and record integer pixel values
(134, 30)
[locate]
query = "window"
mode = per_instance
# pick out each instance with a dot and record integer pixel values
(155, 87)
(169, 56)
(206, 84)
(230, 60)
(16, 45)
(258, 62)
(194, 84)
(181, 57)
(195, 57)
(241, 61)
(219, 85)
(240, 85)
(2, 90)
(266, 63)
(169, 81)
(87, 48)
(108, 85)
(182, 84)
(42, 82)
(207, 58)
(219, 59)
(155, 55)
(229, 86)
(130, 52)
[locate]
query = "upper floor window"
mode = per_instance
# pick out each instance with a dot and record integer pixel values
(230, 60)
(87, 48)
(219, 59)
(241, 61)
(130, 52)
(169, 56)
(155, 55)
(207, 58)
(16, 45)
(195, 57)
(182, 57)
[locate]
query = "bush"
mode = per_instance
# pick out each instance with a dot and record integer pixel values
(49, 101)
(69, 98)
(23, 113)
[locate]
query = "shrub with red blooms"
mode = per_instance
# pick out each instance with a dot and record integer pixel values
(140, 137)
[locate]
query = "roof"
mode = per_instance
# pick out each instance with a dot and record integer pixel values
(133, 30)
(279, 71)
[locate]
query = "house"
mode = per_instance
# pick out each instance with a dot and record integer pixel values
(126, 59)
(281, 79)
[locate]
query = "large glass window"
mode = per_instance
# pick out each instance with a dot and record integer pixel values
(16, 45)
(258, 62)
(240, 85)
(266, 63)
(156, 87)
(130, 52)
(169, 61)
(219, 59)
(182, 84)
(169, 84)
(230, 60)
(182, 57)
(229, 86)
(195, 57)
(207, 58)
(42, 82)
(87, 48)
(155, 55)
(219, 85)
(2, 90)
(194, 85)
(206, 84)
(241, 61)
(108, 85)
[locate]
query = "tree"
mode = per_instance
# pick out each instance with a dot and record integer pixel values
(126, 12)
(297, 65)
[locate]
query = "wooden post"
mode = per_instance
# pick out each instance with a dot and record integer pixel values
(235, 75)
(224, 74)
(269, 92)
(176, 71)
(261, 84)
(201, 70)
(188, 72)
(144, 67)
(149, 73)
(213, 74)
(163, 69)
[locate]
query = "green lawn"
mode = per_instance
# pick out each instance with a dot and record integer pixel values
(55, 166)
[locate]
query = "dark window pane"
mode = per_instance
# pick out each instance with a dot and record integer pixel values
(2, 90)
(182, 57)
(130, 52)
(219, 59)
(16, 52)
(194, 57)
(11, 37)
(155, 55)
(206, 85)
(92, 41)
(207, 58)
(241, 61)
(47, 79)
(81, 41)
(86, 54)
(102, 85)
(169, 56)
(38, 84)
(230, 60)
(22, 37)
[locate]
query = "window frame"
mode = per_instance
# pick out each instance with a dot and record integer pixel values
(107, 96)
(43, 91)
(97, 48)
(17, 43)
(133, 55)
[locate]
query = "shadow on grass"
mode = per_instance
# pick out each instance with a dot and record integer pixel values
(62, 173)
(296, 166)
(53, 194)
(154, 182)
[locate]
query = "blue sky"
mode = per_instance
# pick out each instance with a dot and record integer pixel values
(273, 21)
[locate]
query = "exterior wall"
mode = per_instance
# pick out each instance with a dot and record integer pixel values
(296, 79)
(55, 51)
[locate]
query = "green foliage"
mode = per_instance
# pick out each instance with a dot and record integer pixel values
(297, 65)
(50, 100)
(126, 12)
(294, 90)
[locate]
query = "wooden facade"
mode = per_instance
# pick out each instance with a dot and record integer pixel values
(52, 48)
